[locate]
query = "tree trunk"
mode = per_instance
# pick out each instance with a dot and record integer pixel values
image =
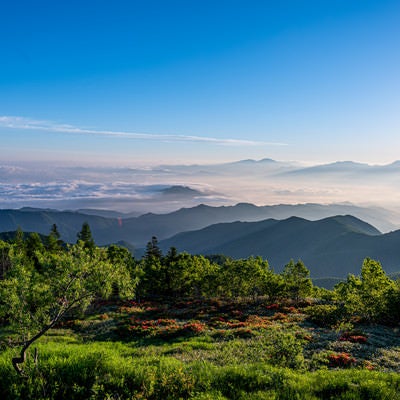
(16, 361)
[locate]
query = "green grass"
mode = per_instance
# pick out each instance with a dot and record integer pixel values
(244, 350)
(112, 370)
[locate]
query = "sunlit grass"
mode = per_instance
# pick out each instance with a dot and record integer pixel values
(282, 357)
(98, 370)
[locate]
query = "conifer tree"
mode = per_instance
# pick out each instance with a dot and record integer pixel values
(297, 280)
(152, 249)
(53, 242)
(85, 235)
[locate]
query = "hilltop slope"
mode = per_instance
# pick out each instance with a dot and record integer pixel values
(333, 246)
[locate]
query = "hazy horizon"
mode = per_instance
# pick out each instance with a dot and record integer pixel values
(167, 188)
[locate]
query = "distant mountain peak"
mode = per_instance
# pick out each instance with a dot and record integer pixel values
(267, 160)
(251, 161)
(201, 206)
(343, 164)
(245, 205)
(34, 209)
(355, 224)
(178, 190)
(335, 167)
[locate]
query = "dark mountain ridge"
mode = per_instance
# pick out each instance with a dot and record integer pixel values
(333, 246)
(69, 223)
(137, 231)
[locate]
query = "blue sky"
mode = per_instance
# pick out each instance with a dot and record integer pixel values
(153, 82)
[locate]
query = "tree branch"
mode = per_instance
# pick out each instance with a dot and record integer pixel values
(16, 361)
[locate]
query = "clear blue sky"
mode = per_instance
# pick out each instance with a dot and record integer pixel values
(200, 80)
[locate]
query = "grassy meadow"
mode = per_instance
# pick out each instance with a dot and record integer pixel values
(207, 349)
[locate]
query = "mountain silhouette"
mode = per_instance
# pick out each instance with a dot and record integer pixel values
(330, 247)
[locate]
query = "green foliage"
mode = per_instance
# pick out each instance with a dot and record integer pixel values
(325, 315)
(5, 262)
(244, 277)
(85, 236)
(297, 280)
(35, 296)
(34, 247)
(53, 242)
(177, 275)
(190, 275)
(369, 296)
(286, 350)
(375, 290)
(121, 259)
(19, 239)
(324, 294)
(152, 249)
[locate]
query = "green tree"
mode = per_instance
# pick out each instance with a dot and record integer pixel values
(153, 278)
(274, 286)
(203, 276)
(371, 295)
(297, 280)
(152, 249)
(244, 277)
(120, 257)
(34, 247)
(53, 242)
(176, 274)
(172, 273)
(34, 301)
(349, 293)
(219, 259)
(188, 275)
(5, 262)
(85, 235)
(19, 239)
(118, 254)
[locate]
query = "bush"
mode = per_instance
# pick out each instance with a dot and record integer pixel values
(286, 350)
(341, 360)
(325, 315)
(354, 337)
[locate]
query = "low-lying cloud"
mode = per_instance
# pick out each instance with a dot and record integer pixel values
(163, 189)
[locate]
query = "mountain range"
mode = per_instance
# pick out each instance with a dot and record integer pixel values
(330, 241)
(137, 231)
(330, 247)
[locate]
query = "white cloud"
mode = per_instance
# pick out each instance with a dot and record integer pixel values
(14, 122)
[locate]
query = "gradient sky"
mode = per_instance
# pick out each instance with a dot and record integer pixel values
(121, 82)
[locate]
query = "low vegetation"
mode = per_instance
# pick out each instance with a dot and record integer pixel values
(82, 322)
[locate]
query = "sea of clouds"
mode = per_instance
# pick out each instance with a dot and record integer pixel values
(167, 188)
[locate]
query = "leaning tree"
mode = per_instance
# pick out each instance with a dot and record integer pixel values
(33, 300)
